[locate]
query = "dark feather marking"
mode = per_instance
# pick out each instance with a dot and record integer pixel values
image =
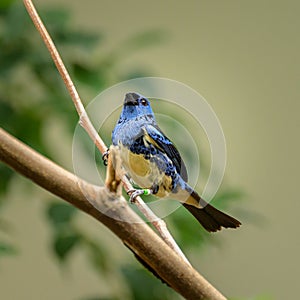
(209, 217)
(166, 145)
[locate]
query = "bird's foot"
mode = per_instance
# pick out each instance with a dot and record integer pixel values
(105, 157)
(138, 192)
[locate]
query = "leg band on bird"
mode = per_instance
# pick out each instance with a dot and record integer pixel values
(138, 192)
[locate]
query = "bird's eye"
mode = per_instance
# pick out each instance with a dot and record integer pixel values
(144, 102)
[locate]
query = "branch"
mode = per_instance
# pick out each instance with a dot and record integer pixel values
(123, 222)
(146, 245)
(85, 122)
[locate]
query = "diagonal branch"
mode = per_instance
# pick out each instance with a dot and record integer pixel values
(122, 221)
(85, 122)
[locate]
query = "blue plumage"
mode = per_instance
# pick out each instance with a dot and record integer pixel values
(153, 162)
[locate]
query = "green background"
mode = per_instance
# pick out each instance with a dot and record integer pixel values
(243, 57)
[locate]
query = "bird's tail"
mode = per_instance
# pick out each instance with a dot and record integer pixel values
(208, 216)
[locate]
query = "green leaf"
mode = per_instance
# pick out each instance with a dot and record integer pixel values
(5, 176)
(83, 39)
(60, 213)
(17, 19)
(187, 230)
(57, 21)
(7, 249)
(5, 4)
(89, 76)
(64, 244)
(97, 256)
(222, 199)
(56, 17)
(144, 285)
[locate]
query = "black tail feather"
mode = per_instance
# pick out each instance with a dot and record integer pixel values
(211, 218)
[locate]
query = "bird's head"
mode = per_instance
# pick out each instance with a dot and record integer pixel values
(135, 106)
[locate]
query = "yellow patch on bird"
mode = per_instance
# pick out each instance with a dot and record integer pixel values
(138, 164)
(165, 186)
(184, 196)
(150, 140)
(192, 201)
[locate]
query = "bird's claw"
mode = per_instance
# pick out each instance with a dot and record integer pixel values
(133, 193)
(105, 157)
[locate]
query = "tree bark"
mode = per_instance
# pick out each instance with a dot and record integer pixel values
(112, 210)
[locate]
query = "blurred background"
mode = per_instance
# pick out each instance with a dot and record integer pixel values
(242, 56)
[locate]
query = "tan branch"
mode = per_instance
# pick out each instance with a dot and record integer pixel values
(121, 220)
(85, 122)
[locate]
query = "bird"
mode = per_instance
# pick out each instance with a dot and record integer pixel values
(154, 164)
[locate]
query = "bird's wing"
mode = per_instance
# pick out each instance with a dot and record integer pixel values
(156, 137)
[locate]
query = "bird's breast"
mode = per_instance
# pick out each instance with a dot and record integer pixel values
(138, 165)
(145, 172)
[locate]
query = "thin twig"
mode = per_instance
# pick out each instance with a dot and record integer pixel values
(158, 223)
(85, 122)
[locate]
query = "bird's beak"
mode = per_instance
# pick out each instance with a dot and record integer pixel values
(131, 99)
